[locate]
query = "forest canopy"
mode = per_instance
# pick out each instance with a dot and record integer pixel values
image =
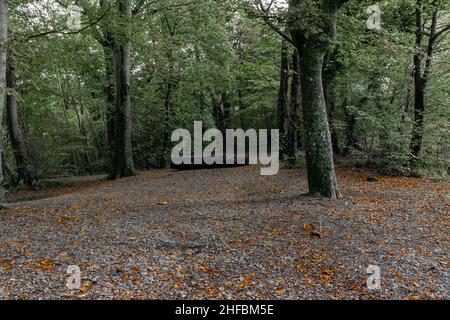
(104, 95)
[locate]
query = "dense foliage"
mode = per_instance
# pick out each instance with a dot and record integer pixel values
(219, 61)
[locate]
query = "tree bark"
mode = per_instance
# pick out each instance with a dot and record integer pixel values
(312, 43)
(419, 93)
(421, 78)
(162, 162)
(15, 135)
(80, 114)
(222, 111)
(330, 70)
(226, 107)
(282, 94)
(109, 96)
(123, 156)
(4, 15)
(107, 42)
(217, 111)
(351, 142)
(319, 152)
(293, 119)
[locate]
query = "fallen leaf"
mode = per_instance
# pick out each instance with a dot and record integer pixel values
(383, 243)
(309, 228)
(327, 271)
(355, 287)
(85, 288)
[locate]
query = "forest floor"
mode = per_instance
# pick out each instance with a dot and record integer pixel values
(229, 234)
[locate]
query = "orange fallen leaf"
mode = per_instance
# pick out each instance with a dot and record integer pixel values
(135, 270)
(383, 243)
(85, 288)
(299, 268)
(210, 292)
(327, 271)
(355, 287)
(207, 269)
(246, 281)
(350, 239)
(47, 263)
(309, 228)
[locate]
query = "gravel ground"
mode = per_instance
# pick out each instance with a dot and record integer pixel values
(229, 234)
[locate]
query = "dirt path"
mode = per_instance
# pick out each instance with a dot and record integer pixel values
(229, 233)
(63, 185)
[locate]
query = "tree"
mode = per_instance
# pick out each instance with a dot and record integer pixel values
(123, 165)
(268, 13)
(330, 70)
(294, 105)
(169, 25)
(106, 41)
(421, 78)
(312, 36)
(3, 53)
(283, 93)
(15, 135)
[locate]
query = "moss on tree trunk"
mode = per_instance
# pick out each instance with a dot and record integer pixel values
(319, 152)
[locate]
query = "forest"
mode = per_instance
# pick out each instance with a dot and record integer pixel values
(91, 91)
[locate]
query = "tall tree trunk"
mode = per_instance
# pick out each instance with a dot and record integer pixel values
(331, 106)
(330, 70)
(293, 121)
(421, 78)
(319, 152)
(107, 42)
(162, 162)
(15, 135)
(226, 107)
(80, 114)
(217, 111)
(282, 94)
(170, 84)
(419, 93)
(221, 111)
(351, 142)
(123, 156)
(3, 52)
(109, 96)
(312, 43)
